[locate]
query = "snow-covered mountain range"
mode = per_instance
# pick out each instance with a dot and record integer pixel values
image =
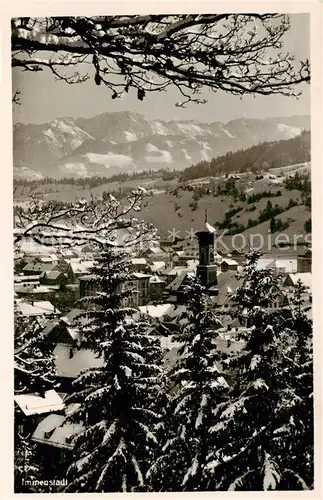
(112, 142)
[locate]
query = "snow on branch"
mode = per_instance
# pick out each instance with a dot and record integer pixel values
(237, 53)
(103, 223)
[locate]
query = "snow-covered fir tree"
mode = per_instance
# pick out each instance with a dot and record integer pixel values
(34, 372)
(119, 407)
(255, 453)
(33, 359)
(295, 438)
(196, 387)
(27, 465)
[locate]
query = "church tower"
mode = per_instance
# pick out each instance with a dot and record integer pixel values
(207, 268)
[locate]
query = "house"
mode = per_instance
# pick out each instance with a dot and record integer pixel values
(67, 253)
(32, 407)
(170, 274)
(155, 254)
(54, 437)
(162, 312)
(166, 318)
(77, 269)
(304, 262)
(181, 257)
(37, 404)
(174, 291)
(305, 278)
(264, 263)
(166, 321)
(37, 308)
(287, 265)
(227, 285)
(37, 268)
(139, 263)
(54, 278)
(29, 280)
(61, 331)
(48, 258)
(37, 292)
(70, 359)
(55, 431)
(280, 300)
(87, 286)
(156, 287)
(139, 284)
(280, 266)
(228, 264)
(41, 258)
(157, 267)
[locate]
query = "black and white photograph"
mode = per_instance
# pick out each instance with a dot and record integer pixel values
(162, 236)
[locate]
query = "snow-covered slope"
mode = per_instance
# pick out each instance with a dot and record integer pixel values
(125, 141)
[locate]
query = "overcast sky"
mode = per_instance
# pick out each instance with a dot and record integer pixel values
(44, 99)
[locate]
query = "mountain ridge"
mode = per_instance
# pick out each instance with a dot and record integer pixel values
(124, 141)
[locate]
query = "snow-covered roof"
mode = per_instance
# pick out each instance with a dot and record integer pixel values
(176, 271)
(24, 287)
(53, 275)
(227, 284)
(26, 279)
(210, 228)
(49, 326)
(230, 262)
(71, 315)
(73, 332)
(39, 267)
(55, 431)
(138, 261)
(81, 267)
(33, 404)
(71, 408)
(36, 289)
(71, 367)
(289, 265)
(306, 278)
(156, 279)
(66, 252)
(207, 228)
(225, 294)
(161, 310)
(155, 311)
(48, 258)
(155, 250)
(141, 275)
(263, 263)
(192, 264)
(175, 311)
(37, 308)
(157, 266)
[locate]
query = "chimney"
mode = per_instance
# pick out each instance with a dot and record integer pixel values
(41, 392)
